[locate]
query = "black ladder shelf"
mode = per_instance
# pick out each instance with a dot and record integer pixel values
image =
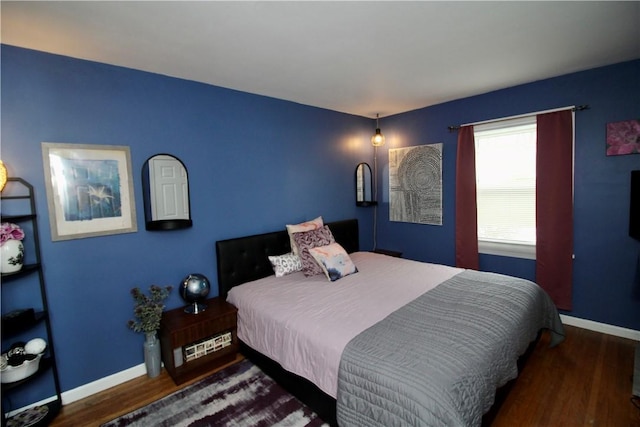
(20, 193)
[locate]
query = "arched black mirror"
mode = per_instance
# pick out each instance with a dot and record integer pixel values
(165, 183)
(364, 186)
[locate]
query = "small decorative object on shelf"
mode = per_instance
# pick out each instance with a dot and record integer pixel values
(11, 248)
(14, 319)
(194, 289)
(148, 312)
(30, 417)
(22, 360)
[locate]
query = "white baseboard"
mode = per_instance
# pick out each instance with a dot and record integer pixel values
(103, 384)
(136, 371)
(601, 327)
(90, 388)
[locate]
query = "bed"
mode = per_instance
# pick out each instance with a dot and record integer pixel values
(398, 342)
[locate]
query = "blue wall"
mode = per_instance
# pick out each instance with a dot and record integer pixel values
(256, 163)
(606, 285)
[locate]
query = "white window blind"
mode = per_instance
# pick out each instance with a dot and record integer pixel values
(506, 186)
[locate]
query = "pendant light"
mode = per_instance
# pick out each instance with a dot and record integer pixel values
(377, 139)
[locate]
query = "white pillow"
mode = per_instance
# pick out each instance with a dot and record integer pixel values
(285, 264)
(314, 224)
(334, 261)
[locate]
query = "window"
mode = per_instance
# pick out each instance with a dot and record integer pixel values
(506, 187)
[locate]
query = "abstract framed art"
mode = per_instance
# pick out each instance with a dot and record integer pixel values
(89, 190)
(415, 184)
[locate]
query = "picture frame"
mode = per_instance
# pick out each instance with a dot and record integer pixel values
(89, 190)
(623, 137)
(415, 184)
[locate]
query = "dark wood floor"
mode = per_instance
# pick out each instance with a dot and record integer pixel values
(586, 381)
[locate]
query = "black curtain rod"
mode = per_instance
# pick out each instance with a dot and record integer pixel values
(454, 128)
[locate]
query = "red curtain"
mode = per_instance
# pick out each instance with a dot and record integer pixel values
(554, 206)
(466, 211)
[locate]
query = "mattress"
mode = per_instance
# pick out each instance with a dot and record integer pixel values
(305, 323)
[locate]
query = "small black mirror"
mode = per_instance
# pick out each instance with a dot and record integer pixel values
(165, 183)
(364, 186)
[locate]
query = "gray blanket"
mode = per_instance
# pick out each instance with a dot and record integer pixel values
(438, 360)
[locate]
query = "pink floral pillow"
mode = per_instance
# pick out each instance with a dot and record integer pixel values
(312, 239)
(314, 224)
(334, 261)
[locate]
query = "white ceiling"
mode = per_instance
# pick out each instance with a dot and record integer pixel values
(357, 57)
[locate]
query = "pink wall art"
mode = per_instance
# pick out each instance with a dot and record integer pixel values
(623, 137)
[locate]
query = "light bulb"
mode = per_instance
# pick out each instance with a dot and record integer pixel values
(378, 139)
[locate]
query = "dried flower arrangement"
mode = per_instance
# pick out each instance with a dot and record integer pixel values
(148, 308)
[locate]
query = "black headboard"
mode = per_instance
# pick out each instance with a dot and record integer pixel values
(244, 259)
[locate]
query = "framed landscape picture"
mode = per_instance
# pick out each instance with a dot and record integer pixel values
(89, 190)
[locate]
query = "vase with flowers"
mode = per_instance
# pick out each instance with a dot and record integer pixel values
(148, 312)
(11, 247)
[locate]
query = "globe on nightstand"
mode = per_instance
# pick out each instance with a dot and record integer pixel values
(194, 289)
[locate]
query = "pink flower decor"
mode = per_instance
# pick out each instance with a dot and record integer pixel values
(10, 231)
(623, 138)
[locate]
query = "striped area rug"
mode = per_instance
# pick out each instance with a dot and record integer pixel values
(239, 395)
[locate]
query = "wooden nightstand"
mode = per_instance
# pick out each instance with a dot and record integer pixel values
(193, 344)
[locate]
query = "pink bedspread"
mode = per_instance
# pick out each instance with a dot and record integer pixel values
(304, 323)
